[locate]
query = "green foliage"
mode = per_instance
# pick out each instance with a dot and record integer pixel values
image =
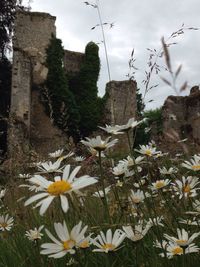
(140, 104)
(5, 92)
(62, 102)
(154, 118)
(86, 92)
(116, 209)
(8, 9)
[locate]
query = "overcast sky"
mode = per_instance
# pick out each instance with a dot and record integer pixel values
(138, 24)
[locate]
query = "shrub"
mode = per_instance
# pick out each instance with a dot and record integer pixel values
(86, 92)
(65, 112)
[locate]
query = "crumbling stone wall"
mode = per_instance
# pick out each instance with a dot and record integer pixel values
(28, 122)
(181, 118)
(72, 62)
(32, 33)
(120, 106)
(44, 136)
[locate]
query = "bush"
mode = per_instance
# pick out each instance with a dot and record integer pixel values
(86, 92)
(143, 132)
(64, 108)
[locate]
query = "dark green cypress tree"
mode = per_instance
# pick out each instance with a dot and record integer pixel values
(86, 93)
(65, 112)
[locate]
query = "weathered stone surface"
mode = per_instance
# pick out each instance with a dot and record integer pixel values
(72, 62)
(32, 33)
(181, 118)
(33, 29)
(28, 121)
(120, 107)
(44, 136)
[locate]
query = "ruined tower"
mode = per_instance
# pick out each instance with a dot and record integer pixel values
(29, 125)
(121, 105)
(32, 33)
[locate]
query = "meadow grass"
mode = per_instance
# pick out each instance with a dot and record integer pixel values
(144, 196)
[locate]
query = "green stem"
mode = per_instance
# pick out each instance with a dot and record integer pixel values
(103, 186)
(129, 143)
(104, 39)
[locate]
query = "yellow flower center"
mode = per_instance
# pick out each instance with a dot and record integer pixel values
(159, 184)
(136, 200)
(84, 244)
(187, 189)
(3, 225)
(196, 167)
(177, 251)
(181, 242)
(148, 152)
(68, 244)
(58, 188)
(108, 246)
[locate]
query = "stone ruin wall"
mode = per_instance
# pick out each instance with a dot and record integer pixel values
(72, 62)
(32, 33)
(28, 121)
(31, 37)
(119, 108)
(181, 119)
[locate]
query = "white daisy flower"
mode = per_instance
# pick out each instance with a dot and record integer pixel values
(183, 140)
(67, 242)
(95, 153)
(79, 159)
(172, 249)
(192, 221)
(120, 169)
(147, 129)
(161, 154)
(187, 187)
(2, 193)
(193, 164)
(56, 154)
(132, 123)
(138, 196)
(58, 188)
(179, 155)
(196, 206)
(147, 150)
(130, 162)
(100, 193)
(34, 185)
(70, 154)
(112, 129)
(34, 234)
(160, 184)
(6, 222)
(142, 182)
(98, 144)
(108, 242)
(169, 171)
(138, 232)
(49, 167)
(24, 175)
(183, 239)
(157, 221)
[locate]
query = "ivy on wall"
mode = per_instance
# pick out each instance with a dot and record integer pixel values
(76, 107)
(64, 109)
(86, 92)
(5, 91)
(154, 119)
